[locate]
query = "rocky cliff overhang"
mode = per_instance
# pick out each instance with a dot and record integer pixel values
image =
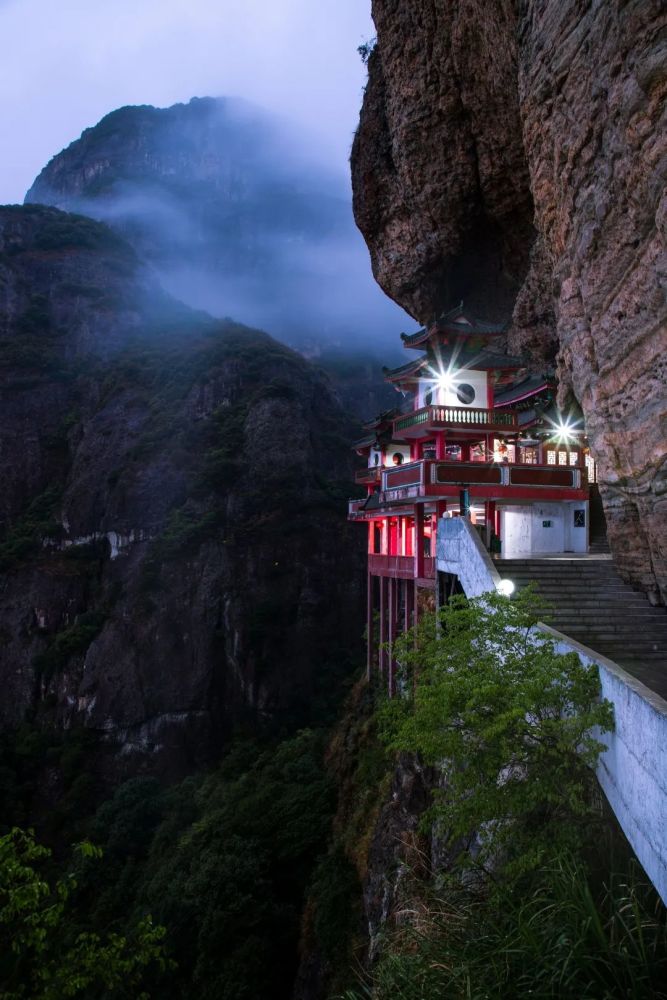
(514, 155)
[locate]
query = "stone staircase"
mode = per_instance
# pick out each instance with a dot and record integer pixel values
(590, 603)
(598, 544)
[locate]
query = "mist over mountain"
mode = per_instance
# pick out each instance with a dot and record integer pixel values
(238, 215)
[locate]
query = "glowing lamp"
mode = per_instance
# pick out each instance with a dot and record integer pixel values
(445, 381)
(565, 431)
(506, 588)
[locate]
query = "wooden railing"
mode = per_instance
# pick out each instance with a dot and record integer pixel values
(397, 567)
(456, 416)
(400, 567)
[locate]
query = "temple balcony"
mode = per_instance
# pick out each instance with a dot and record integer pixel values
(422, 423)
(428, 475)
(432, 479)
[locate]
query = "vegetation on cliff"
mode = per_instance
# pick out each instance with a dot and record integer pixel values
(208, 875)
(44, 954)
(522, 885)
(174, 505)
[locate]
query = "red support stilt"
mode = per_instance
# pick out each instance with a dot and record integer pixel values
(393, 618)
(370, 626)
(408, 610)
(419, 540)
(383, 625)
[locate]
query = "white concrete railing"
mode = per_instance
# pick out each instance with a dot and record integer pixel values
(460, 551)
(633, 769)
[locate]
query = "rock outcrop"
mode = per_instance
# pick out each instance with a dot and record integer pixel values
(514, 155)
(236, 213)
(174, 556)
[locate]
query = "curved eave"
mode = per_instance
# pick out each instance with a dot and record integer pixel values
(524, 390)
(406, 373)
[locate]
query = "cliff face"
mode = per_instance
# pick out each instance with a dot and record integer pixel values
(173, 551)
(513, 155)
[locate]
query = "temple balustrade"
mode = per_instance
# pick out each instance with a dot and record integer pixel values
(432, 418)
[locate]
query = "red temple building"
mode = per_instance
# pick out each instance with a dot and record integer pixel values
(476, 435)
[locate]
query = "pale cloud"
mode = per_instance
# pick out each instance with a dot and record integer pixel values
(66, 64)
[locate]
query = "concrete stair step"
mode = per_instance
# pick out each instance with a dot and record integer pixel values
(618, 598)
(577, 585)
(579, 600)
(609, 635)
(648, 622)
(628, 659)
(627, 653)
(531, 574)
(614, 634)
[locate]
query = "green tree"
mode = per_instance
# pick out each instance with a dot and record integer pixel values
(40, 957)
(514, 721)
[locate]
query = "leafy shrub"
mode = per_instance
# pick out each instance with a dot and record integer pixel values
(514, 720)
(40, 959)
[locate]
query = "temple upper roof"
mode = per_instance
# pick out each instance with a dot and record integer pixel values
(454, 356)
(458, 322)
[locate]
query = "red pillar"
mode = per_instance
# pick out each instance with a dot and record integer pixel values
(409, 604)
(465, 451)
(370, 627)
(393, 620)
(440, 446)
(383, 624)
(419, 540)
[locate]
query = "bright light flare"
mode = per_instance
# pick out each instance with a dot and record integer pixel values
(445, 379)
(563, 431)
(506, 588)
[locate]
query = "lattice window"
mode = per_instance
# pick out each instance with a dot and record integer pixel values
(551, 458)
(574, 458)
(562, 458)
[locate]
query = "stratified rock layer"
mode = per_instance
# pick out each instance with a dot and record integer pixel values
(514, 155)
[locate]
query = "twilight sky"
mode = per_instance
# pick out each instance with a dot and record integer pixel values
(66, 63)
